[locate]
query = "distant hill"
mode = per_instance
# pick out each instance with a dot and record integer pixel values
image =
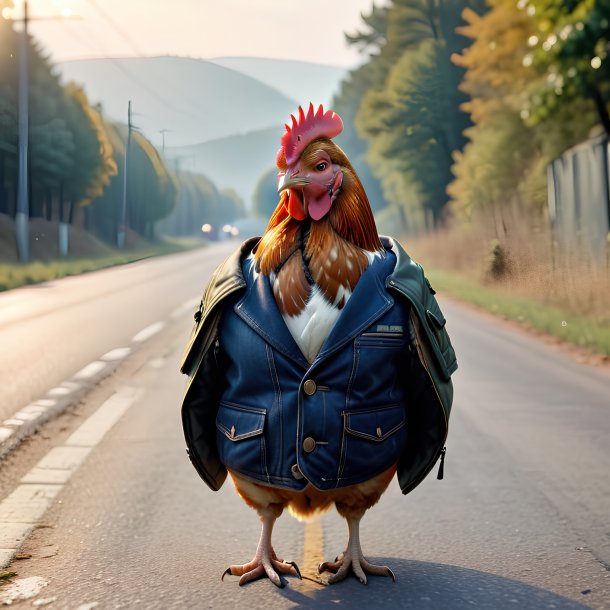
(224, 117)
(198, 100)
(194, 100)
(233, 162)
(301, 81)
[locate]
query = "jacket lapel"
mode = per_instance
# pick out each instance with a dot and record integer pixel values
(369, 301)
(259, 310)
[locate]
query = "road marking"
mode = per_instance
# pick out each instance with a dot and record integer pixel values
(186, 308)
(148, 332)
(24, 588)
(91, 370)
(27, 503)
(93, 429)
(21, 509)
(313, 549)
(116, 354)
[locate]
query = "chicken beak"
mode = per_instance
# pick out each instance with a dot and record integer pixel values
(289, 182)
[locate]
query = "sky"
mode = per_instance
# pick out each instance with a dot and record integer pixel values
(307, 30)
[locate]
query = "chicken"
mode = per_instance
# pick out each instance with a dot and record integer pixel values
(312, 409)
(314, 253)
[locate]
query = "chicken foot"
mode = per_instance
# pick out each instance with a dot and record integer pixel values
(265, 561)
(353, 559)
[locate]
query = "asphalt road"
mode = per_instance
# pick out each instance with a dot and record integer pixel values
(49, 331)
(520, 520)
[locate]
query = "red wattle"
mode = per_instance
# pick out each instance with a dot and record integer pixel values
(318, 207)
(295, 205)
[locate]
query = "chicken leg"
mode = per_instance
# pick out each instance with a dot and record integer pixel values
(265, 561)
(353, 558)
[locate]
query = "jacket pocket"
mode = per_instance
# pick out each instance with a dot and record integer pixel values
(442, 348)
(381, 340)
(240, 438)
(373, 440)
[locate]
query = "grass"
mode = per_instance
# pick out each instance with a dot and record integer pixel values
(517, 270)
(13, 275)
(581, 330)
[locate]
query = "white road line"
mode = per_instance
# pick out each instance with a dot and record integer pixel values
(21, 509)
(186, 308)
(91, 370)
(93, 430)
(148, 332)
(116, 354)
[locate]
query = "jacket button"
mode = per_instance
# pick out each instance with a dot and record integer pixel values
(309, 444)
(296, 472)
(310, 387)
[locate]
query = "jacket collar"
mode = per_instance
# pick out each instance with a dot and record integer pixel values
(367, 304)
(259, 310)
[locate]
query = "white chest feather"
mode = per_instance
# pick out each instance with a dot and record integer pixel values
(311, 327)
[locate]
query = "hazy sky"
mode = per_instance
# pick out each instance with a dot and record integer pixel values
(309, 30)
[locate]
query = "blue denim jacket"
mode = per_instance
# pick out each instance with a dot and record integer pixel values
(335, 422)
(378, 393)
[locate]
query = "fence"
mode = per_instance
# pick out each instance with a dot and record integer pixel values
(579, 198)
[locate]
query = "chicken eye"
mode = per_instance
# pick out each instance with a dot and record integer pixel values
(321, 166)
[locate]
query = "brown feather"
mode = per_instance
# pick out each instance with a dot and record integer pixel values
(291, 288)
(333, 262)
(351, 501)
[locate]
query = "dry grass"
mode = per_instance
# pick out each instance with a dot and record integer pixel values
(535, 269)
(540, 286)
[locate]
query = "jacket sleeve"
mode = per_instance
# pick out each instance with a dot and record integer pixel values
(199, 410)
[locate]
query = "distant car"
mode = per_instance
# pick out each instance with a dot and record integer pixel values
(230, 231)
(210, 231)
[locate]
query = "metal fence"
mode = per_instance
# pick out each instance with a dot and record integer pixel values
(579, 198)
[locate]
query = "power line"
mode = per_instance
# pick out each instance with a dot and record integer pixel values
(117, 28)
(131, 75)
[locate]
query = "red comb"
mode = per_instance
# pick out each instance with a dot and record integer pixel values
(307, 128)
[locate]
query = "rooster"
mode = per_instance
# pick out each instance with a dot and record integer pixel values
(322, 381)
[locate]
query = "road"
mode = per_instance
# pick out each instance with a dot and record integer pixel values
(63, 325)
(520, 520)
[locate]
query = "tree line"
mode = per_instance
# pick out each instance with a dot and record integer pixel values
(465, 102)
(76, 160)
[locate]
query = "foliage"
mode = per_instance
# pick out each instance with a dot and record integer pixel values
(505, 161)
(35, 272)
(570, 44)
(369, 76)
(265, 198)
(408, 111)
(200, 202)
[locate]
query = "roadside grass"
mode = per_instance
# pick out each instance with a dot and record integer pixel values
(581, 330)
(13, 275)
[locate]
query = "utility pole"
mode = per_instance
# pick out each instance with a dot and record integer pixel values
(22, 216)
(122, 228)
(22, 213)
(163, 132)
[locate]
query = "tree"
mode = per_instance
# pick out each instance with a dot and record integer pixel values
(266, 197)
(413, 123)
(505, 161)
(570, 45)
(372, 39)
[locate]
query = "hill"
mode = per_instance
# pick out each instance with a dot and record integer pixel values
(194, 100)
(236, 161)
(298, 80)
(198, 100)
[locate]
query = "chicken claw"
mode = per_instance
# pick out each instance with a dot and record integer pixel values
(263, 565)
(352, 558)
(265, 562)
(358, 564)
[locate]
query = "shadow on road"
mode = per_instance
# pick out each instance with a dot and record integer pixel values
(431, 586)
